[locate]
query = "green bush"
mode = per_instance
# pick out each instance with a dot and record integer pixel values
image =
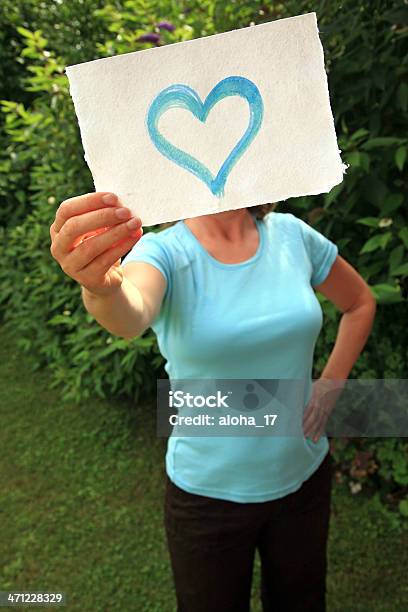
(41, 164)
(32, 34)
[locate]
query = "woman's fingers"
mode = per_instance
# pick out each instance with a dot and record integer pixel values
(101, 264)
(89, 235)
(83, 237)
(82, 204)
(87, 251)
(316, 427)
(77, 226)
(319, 432)
(311, 421)
(308, 411)
(312, 430)
(320, 429)
(317, 413)
(309, 414)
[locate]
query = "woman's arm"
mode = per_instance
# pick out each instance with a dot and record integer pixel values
(345, 288)
(132, 308)
(350, 293)
(89, 235)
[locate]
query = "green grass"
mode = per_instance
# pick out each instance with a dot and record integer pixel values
(81, 508)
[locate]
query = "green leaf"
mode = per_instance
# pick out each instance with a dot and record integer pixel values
(400, 157)
(386, 294)
(396, 257)
(333, 194)
(21, 196)
(403, 234)
(385, 141)
(24, 32)
(403, 507)
(353, 158)
(7, 104)
(370, 221)
(379, 241)
(400, 270)
(358, 160)
(360, 133)
(391, 203)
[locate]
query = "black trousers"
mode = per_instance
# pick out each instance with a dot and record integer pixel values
(212, 544)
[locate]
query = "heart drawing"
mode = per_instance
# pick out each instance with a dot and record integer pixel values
(182, 96)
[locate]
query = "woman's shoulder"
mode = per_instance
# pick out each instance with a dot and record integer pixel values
(281, 218)
(295, 228)
(283, 222)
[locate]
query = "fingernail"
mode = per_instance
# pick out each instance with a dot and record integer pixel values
(109, 198)
(136, 233)
(133, 223)
(122, 213)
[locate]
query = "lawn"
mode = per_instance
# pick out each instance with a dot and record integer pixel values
(81, 508)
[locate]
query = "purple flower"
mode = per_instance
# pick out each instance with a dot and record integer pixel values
(166, 25)
(153, 38)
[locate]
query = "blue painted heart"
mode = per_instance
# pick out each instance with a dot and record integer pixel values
(182, 96)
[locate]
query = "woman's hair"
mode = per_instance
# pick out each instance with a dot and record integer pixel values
(262, 209)
(258, 211)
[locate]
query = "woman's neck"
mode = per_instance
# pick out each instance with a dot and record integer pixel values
(231, 226)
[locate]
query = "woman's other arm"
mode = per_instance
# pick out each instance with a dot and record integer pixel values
(350, 293)
(347, 289)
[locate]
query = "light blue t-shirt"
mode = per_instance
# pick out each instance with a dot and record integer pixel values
(258, 319)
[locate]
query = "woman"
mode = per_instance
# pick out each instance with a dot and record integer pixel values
(230, 295)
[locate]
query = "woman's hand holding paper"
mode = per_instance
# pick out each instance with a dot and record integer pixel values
(89, 235)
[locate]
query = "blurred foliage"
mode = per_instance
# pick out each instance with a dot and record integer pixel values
(42, 163)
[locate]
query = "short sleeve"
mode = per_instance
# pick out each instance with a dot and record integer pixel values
(151, 249)
(322, 252)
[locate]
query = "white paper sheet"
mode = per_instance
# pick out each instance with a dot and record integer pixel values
(268, 136)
